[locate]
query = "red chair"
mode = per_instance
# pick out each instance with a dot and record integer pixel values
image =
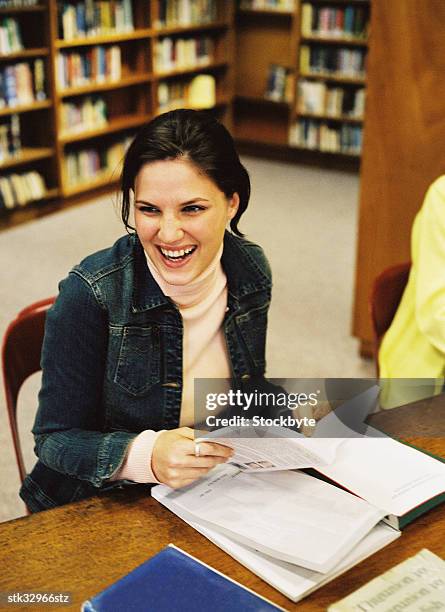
(22, 346)
(386, 294)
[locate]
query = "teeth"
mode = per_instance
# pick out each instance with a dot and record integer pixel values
(177, 254)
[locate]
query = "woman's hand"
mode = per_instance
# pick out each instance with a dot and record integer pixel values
(173, 459)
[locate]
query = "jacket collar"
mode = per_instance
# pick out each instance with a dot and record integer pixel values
(243, 271)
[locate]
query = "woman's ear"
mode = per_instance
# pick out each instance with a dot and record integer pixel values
(233, 206)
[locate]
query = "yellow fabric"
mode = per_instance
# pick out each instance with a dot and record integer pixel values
(414, 345)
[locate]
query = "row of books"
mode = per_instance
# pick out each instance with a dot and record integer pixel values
(340, 61)
(318, 98)
(22, 83)
(198, 92)
(177, 53)
(88, 114)
(349, 21)
(185, 12)
(21, 189)
(10, 36)
(322, 136)
(272, 5)
(280, 84)
(95, 65)
(10, 140)
(86, 165)
(94, 18)
(17, 3)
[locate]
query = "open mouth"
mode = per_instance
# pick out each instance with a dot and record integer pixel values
(177, 255)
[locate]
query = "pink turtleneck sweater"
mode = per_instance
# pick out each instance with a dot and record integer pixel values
(202, 305)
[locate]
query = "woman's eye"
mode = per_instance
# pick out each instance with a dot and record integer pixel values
(193, 208)
(148, 209)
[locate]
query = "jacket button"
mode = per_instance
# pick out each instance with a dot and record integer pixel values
(245, 377)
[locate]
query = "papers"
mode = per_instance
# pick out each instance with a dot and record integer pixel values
(274, 448)
(288, 515)
(388, 474)
(292, 580)
(416, 584)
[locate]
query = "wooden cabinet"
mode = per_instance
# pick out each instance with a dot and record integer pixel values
(403, 138)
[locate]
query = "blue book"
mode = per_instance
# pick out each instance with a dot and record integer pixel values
(174, 581)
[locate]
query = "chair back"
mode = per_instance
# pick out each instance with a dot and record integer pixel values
(386, 294)
(22, 347)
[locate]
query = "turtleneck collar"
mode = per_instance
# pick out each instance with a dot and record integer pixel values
(195, 292)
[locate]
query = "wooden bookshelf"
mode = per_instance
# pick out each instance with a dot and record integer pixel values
(27, 155)
(49, 128)
(18, 55)
(273, 37)
(123, 83)
(139, 34)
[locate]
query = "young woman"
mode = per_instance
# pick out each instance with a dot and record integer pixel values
(135, 324)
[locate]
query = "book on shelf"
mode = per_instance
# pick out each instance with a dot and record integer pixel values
(332, 60)
(20, 189)
(279, 84)
(319, 135)
(319, 98)
(175, 581)
(10, 137)
(334, 22)
(88, 114)
(94, 18)
(18, 3)
(182, 53)
(93, 66)
(22, 83)
(10, 36)
(173, 13)
(418, 583)
(270, 5)
(86, 165)
(320, 524)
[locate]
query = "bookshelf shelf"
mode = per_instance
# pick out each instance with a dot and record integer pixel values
(323, 117)
(25, 108)
(339, 40)
(101, 181)
(190, 70)
(325, 151)
(36, 8)
(266, 12)
(207, 27)
(114, 125)
(26, 155)
(334, 77)
(260, 100)
(140, 34)
(108, 85)
(25, 53)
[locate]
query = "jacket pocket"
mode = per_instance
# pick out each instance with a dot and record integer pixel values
(253, 328)
(135, 358)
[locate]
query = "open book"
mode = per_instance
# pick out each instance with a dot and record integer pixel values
(293, 518)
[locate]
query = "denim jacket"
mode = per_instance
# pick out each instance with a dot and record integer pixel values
(112, 363)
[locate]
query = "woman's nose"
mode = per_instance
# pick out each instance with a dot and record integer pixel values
(170, 230)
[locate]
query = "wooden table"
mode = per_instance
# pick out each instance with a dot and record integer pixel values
(85, 546)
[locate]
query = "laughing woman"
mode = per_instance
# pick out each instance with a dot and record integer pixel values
(135, 324)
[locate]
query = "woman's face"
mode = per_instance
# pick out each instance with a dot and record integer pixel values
(180, 217)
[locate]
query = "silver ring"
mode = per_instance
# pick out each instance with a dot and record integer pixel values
(197, 450)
